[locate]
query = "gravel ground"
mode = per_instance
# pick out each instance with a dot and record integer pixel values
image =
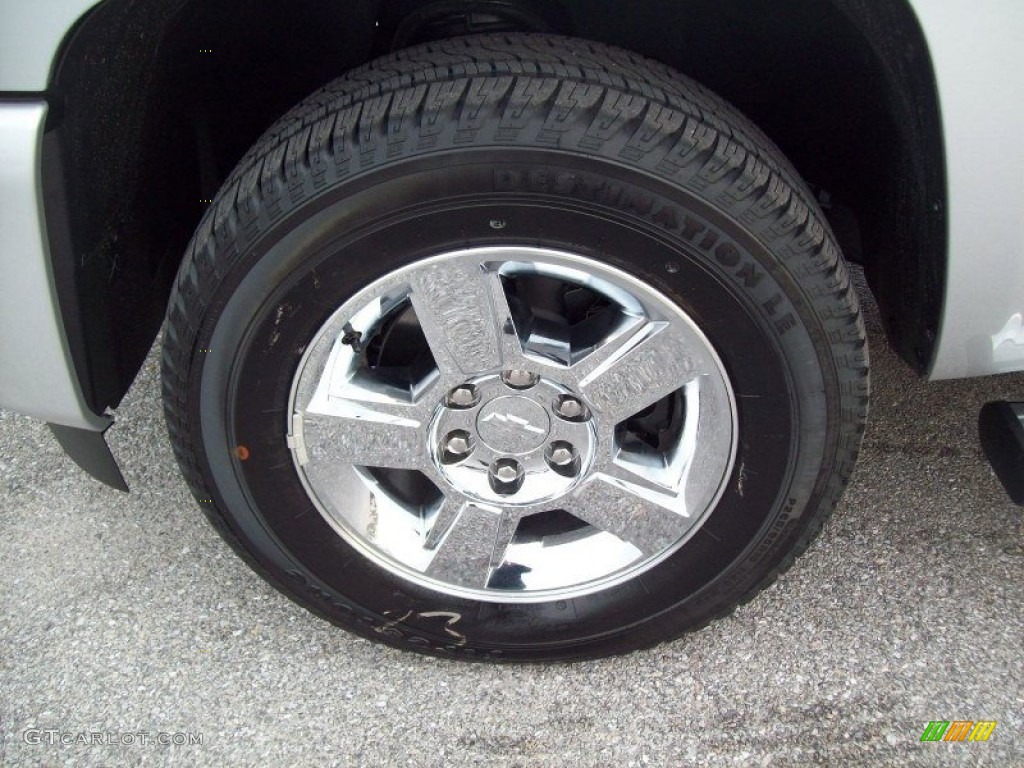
(126, 614)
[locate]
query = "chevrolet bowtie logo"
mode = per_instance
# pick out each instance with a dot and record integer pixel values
(509, 420)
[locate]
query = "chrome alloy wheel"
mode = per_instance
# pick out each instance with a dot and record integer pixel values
(512, 424)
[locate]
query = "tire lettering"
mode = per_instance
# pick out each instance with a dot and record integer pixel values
(727, 255)
(666, 218)
(772, 304)
(786, 323)
(506, 180)
(540, 181)
(691, 228)
(637, 203)
(750, 275)
(598, 190)
(709, 241)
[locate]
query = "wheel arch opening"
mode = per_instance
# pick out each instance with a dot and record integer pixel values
(153, 103)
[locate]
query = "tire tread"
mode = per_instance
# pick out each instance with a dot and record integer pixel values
(549, 92)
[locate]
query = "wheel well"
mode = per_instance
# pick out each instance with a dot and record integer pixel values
(152, 104)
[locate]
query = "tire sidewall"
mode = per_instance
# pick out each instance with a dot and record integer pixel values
(293, 275)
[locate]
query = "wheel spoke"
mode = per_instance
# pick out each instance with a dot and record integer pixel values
(624, 338)
(647, 519)
(633, 475)
(449, 512)
(643, 367)
(538, 359)
(509, 346)
(363, 437)
(471, 543)
(454, 306)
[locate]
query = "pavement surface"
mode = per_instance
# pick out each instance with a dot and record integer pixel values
(126, 616)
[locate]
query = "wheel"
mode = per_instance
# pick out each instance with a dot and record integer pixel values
(515, 348)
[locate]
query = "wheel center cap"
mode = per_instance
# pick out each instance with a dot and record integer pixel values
(513, 424)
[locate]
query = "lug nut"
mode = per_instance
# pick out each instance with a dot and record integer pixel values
(571, 409)
(563, 458)
(457, 445)
(519, 379)
(464, 396)
(506, 476)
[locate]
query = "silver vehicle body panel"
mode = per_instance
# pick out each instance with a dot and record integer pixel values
(30, 36)
(975, 53)
(36, 372)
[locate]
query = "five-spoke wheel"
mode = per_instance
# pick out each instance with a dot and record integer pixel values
(512, 424)
(515, 347)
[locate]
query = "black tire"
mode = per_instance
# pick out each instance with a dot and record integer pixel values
(570, 145)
